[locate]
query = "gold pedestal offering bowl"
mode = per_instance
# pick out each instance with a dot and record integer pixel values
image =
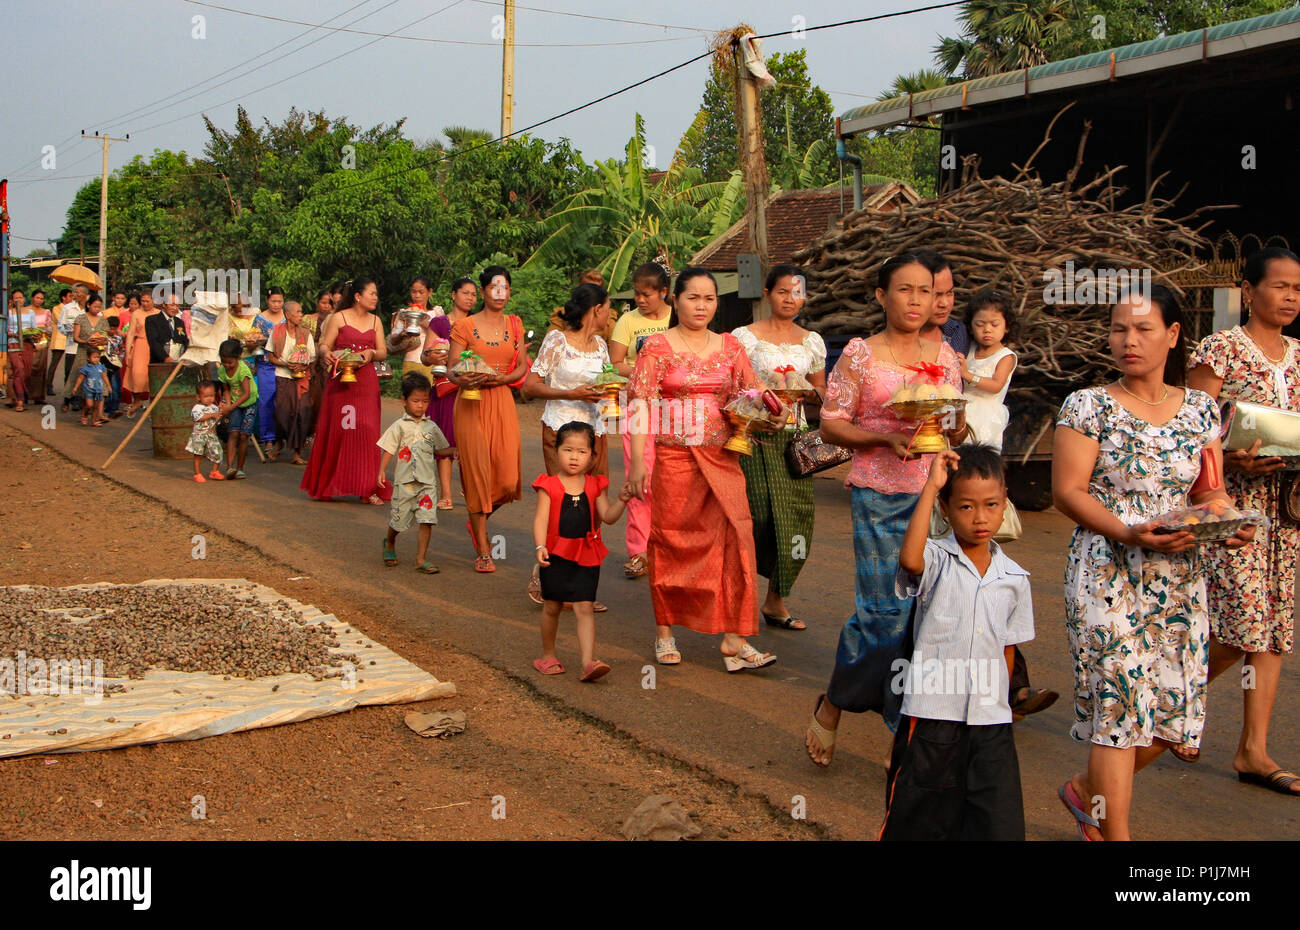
(611, 409)
(741, 426)
(791, 398)
(928, 414)
(349, 368)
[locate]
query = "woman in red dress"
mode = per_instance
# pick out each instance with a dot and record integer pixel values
(345, 458)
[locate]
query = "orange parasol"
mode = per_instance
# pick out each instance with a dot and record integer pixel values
(77, 274)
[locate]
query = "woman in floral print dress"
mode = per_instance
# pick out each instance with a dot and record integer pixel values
(1123, 454)
(1251, 592)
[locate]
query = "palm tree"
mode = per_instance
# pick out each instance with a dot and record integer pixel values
(915, 82)
(629, 217)
(1003, 35)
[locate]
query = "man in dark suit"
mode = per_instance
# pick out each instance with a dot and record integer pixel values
(165, 327)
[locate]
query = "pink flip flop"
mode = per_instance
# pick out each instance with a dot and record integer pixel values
(548, 666)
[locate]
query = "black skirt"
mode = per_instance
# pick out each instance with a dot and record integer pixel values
(564, 579)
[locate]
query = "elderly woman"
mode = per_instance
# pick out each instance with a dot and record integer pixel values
(487, 430)
(442, 408)
(782, 506)
(1251, 590)
(22, 349)
(567, 364)
(701, 545)
(1123, 454)
(885, 482)
(292, 351)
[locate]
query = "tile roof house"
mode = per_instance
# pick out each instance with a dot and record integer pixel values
(796, 219)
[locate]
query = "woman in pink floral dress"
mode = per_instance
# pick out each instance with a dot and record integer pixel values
(885, 483)
(1251, 590)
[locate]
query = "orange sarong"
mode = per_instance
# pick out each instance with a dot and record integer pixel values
(701, 547)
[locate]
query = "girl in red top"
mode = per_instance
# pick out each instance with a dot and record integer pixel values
(570, 508)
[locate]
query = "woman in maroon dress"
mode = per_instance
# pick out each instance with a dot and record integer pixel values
(345, 458)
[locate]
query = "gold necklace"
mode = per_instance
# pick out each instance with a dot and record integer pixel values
(681, 334)
(894, 356)
(1152, 403)
(1275, 361)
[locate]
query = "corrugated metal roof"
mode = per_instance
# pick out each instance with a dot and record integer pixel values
(1138, 57)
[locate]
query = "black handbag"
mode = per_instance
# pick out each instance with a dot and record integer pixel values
(1289, 505)
(807, 454)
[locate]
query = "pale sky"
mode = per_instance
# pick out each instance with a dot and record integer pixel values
(130, 66)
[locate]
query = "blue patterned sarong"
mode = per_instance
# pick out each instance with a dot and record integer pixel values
(880, 630)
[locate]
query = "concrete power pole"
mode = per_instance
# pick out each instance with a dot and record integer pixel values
(753, 165)
(104, 142)
(508, 72)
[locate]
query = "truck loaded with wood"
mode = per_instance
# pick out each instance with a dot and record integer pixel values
(1023, 237)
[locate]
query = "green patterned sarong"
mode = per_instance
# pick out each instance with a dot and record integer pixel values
(782, 510)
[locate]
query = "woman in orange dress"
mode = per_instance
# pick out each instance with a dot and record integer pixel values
(487, 430)
(701, 545)
(135, 365)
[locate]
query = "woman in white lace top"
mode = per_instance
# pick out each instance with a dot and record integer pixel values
(563, 374)
(781, 506)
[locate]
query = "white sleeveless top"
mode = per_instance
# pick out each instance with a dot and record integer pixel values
(986, 413)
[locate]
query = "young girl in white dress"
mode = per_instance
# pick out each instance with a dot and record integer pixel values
(986, 374)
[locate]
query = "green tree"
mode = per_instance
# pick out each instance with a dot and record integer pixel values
(626, 218)
(1003, 35)
(914, 82)
(1127, 21)
(796, 113)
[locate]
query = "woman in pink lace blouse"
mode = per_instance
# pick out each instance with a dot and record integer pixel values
(885, 481)
(701, 546)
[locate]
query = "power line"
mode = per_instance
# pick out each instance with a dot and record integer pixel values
(654, 77)
(607, 19)
(865, 19)
(550, 119)
(493, 44)
(172, 101)
(171, 96)
(149, 106)
(305, 70)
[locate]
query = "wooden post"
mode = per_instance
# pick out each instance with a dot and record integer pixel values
(508, 72)
(153, 402)
(753, 165)
(104, 141)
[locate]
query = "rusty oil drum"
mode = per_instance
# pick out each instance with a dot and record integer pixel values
(171, 418)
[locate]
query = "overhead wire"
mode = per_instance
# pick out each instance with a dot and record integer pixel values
(436, 41)
(459, 152)
(149, 106)
(607, 19)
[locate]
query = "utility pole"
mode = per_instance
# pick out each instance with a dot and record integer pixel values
(753, 162)
(104, 141)
(508, 73)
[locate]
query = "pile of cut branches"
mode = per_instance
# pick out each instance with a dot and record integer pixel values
(1016, 234)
